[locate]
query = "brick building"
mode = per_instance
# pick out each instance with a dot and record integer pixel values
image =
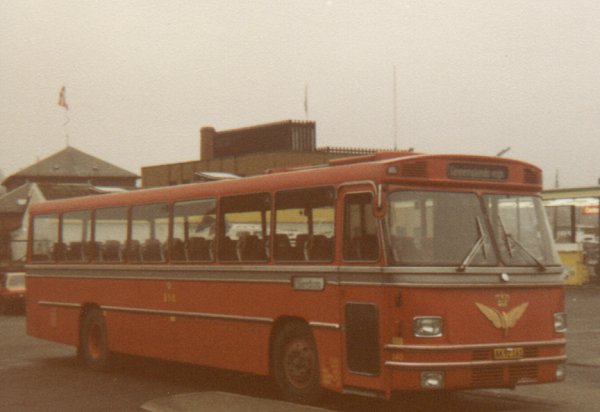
(249, 151)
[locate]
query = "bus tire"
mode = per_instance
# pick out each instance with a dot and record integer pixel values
(295, 365)
(93, 342)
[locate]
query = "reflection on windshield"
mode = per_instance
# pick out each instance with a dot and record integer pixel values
(452, 229)
(438, 228)
(521, 229)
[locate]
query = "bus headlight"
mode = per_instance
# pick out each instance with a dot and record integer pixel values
(560, 322)
(432, 380)
(428, 326)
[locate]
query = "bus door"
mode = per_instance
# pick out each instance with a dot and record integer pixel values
(362, 297)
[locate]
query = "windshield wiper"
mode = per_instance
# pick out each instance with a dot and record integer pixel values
(479, 244)
(509, 240)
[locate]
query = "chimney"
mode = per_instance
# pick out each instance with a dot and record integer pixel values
(207, 143)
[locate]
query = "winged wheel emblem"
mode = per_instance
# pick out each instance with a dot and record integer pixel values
(503, 320)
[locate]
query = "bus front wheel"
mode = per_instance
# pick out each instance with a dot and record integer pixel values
(296, 364)
(93, 343)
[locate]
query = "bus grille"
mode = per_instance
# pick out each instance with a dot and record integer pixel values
(519, 373)
(487, 376)
(414, 169)
(495, 376)
(532, 177)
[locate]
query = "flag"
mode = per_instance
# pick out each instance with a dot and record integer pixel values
(62, 98)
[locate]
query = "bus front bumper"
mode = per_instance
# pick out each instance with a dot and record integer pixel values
(447, 367)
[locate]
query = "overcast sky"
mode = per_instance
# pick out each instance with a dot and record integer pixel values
(142, 77)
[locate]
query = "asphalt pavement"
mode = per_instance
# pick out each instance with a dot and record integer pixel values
(222, 402)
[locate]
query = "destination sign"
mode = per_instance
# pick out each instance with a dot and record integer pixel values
(464, 171)
(308, 283)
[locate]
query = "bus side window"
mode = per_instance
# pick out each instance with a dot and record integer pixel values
(149, 233)
(360, 228)
(45, 243)
(110, 234)
(244, 229)
(76, 234)
(304, 225)
(194, 224)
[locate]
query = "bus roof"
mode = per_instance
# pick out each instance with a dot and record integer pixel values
(402, 168)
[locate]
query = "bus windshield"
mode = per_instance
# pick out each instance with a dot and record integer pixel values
(521, 229)
(450, 229)
(438, 228)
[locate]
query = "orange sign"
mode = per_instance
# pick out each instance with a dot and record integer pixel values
(590, 210)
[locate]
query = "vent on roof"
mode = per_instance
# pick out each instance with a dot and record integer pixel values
(414, 169)
(532, 177)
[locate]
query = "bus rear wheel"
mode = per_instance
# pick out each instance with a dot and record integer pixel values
(296, 364)
(93, 342)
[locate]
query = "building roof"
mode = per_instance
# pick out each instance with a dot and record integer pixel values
(571, 193)
(53, 191)
(74, 163)
(16, 200)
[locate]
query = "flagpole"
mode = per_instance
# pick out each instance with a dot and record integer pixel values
(306, 101)
(67, 120)
(395, 113)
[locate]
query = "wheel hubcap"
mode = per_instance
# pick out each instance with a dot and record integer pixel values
(299, 363)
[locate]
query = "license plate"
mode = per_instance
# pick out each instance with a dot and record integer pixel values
(508, 353)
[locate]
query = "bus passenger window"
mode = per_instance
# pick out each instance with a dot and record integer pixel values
(360, 228)
(245, 223)
(149, 233)
(45, 245)
(304, 225)
(193, 230)
(110, 234)
(77, 234)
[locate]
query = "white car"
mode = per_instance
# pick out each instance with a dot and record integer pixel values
(12, 291)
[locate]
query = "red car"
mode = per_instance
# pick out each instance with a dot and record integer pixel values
(12, 291)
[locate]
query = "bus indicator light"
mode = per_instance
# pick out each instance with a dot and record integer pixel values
(560, 322)
(561, 372)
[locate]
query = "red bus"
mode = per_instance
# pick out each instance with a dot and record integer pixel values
(368, 275)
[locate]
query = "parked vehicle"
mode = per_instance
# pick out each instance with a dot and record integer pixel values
(12, 292)
(392, 272)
